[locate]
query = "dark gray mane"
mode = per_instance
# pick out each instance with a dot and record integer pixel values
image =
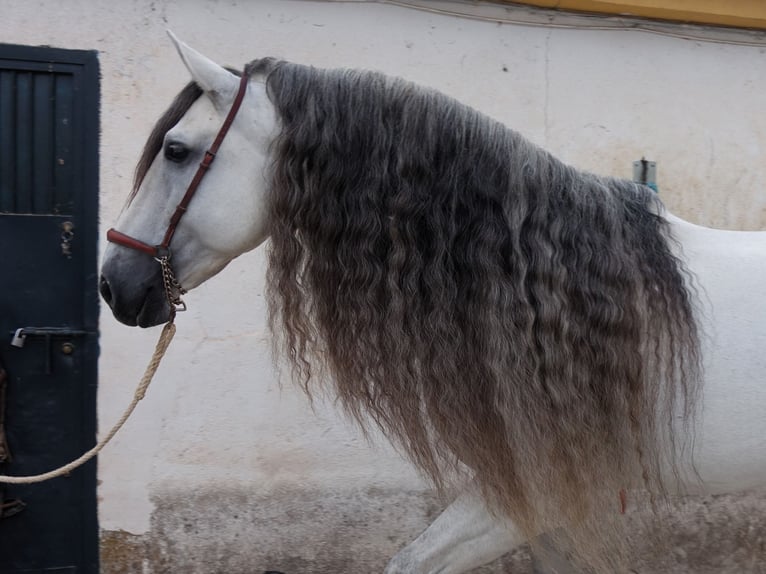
(493, 310)
(489, 307)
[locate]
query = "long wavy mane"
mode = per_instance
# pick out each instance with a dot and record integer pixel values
(497, 313)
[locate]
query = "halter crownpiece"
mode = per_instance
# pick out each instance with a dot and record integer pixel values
(161, 252)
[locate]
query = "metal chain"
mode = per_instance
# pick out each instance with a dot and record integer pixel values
(173, 289)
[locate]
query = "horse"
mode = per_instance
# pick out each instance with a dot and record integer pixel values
(542, 338)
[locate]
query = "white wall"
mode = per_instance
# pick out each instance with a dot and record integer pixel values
(216, 437)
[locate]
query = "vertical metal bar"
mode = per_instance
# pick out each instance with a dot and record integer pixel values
(62, 172)
(24, 142)
(42, 144)
(7, 141)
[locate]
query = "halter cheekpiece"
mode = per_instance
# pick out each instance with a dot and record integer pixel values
(161, 252)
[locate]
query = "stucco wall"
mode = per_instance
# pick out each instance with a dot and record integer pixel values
(221, 466)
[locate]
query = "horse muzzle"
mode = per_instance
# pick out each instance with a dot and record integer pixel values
(136, 298)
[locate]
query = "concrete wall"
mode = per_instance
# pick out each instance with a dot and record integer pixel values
(220, 470)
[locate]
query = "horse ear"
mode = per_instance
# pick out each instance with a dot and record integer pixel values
(217, 82)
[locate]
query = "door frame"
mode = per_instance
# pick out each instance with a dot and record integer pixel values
(85, 157)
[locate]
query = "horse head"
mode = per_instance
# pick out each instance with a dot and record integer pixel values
(228, 214)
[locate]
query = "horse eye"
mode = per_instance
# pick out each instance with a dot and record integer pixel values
(175, 151)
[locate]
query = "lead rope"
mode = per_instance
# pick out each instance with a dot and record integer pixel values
(173, 290)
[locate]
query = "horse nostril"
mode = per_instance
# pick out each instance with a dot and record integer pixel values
(106, 292)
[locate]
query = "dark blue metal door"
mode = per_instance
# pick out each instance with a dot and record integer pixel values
(48, 299)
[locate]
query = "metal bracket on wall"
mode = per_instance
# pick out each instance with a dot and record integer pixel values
(645, 172)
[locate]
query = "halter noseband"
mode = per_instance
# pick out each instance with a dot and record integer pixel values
(161, 252)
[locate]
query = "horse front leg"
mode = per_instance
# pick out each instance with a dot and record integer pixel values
(463, 537)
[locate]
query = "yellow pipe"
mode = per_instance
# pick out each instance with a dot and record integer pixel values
(734, 13)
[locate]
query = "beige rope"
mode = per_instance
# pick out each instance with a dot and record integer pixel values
(168, 331)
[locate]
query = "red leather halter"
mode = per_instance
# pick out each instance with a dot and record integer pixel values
(162, 252)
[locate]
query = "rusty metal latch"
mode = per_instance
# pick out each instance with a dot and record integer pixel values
(67, 234)
(11, 507)
(19, 337)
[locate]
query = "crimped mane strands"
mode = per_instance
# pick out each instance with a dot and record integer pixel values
(497, 313)
(491, 309)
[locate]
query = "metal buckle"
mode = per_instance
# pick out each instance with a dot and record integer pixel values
(161, 252)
